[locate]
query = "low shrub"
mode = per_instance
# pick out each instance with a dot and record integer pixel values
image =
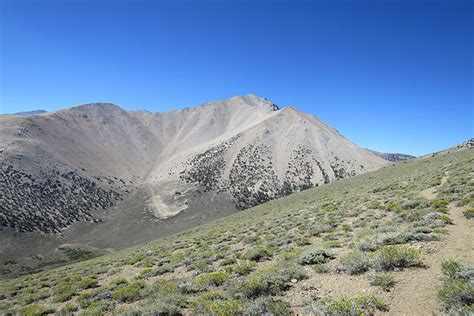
(412, 204)
(314, 256)
(84, 299)
(227, 261)
(268, 281)
(331, 244)
(346, 227)
(393, 257)
(243, 267)
(211, 279)
(465, 201)
(201, 265)
(258, 254)
(457, 296)
(440, 205)
(381, 239)
(469, 213)
(119, 281)
(98, 308)
(393, 207)
(126, 294)
(36, 310)
(447, 220)
(129, 293)
(457, 292)
(163, 298)
(355, 263)
(370, 304)
(38, 295)
(64, 291)
(68, 309)
(361, 305)
(268, 306)
(166, 268)
(450, 268)
(215, 303)
(385, 280)
(434, 182)
(320, 268)
(88, 283)
(303, 241)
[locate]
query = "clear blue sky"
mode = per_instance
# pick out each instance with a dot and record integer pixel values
(389, 75)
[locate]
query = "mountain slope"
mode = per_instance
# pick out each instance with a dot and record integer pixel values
(393, 157)
(244, 149)
(28, 113)
(307, 253)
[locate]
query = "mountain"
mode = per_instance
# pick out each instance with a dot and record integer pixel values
(464, 145)
(393, 157)
(28, 113)
(392, 241)
(115, 170)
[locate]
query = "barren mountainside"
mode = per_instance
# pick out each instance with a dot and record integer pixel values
(58, 168)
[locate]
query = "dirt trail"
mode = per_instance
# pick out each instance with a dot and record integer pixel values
(416, 291)
(430, 193)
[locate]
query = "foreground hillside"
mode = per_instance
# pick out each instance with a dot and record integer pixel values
(397, 240)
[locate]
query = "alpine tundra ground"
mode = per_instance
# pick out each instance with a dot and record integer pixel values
(395, 241)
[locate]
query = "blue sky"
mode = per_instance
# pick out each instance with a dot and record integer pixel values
(394, 76)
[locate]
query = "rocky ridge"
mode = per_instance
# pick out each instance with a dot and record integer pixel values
(393, 157)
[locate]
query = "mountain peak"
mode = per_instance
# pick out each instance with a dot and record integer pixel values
(98, 107)
(105, 105)
(254, 100)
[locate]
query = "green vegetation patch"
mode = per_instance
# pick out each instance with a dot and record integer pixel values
(215, 303)
(268, 306)
(315, 255)
(258, 253)
(457, 292)
(129, 293)
(469, 213)
(361, 305)
(211, 279)
(382, 279)
(396, 257)
(355, 263)
(268, 281)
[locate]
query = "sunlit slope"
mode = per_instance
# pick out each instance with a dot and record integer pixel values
(372, 243)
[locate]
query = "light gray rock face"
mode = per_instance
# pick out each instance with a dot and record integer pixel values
(68, 166)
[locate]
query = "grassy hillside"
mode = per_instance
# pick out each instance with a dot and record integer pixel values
(375, 243)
